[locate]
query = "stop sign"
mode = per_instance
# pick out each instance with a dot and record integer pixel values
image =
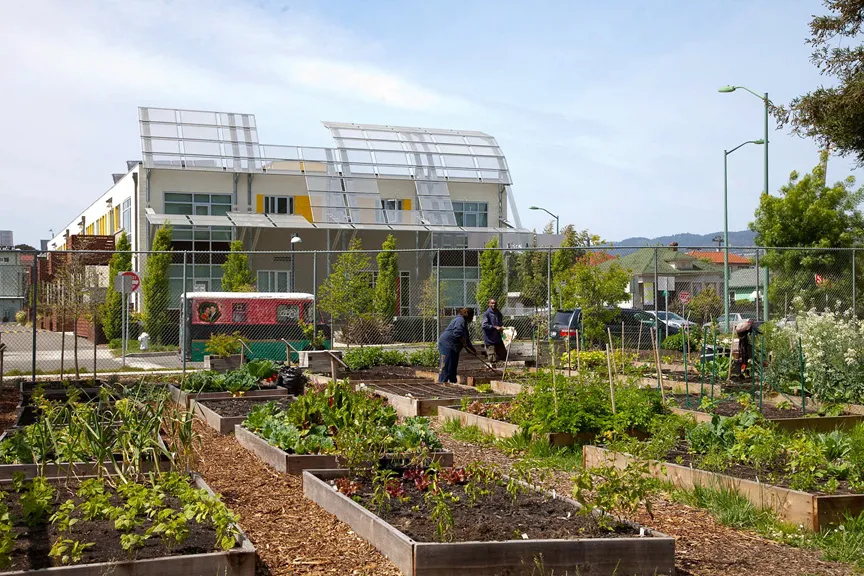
(684, 297)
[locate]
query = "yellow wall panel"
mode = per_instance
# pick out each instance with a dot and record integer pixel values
(406, 204)
(303, 207)
(259, 203)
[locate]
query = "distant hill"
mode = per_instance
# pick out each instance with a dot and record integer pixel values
(741, 238)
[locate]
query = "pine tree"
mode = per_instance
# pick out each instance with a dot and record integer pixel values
(112, 309)
(156, 286)
(236, 276)
(388, 275)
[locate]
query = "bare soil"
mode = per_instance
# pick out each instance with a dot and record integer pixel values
(731, 407)
(241, 406)
(33, 543)
(9, 401)
(493, 517)
(398, 373)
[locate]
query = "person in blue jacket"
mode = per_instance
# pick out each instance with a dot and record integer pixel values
(451, 342)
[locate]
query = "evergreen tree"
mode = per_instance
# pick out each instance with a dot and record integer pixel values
(388, 275)
(112, 309)
(491, 284)
(156, 287)
(236, 276)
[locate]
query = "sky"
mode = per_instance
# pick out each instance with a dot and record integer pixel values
(608, 113)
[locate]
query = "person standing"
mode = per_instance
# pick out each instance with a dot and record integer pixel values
(451, 342)
(493, 325)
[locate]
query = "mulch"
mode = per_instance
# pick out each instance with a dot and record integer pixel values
(291, 534)
(10, 398)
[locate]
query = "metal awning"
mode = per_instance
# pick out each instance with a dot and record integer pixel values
(288, 221)
(172, 219)
(250, 220)
(200, 220)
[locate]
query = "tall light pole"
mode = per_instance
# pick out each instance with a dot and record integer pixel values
(726, 154)
(557, 229)
(767, 103)
(295, 239)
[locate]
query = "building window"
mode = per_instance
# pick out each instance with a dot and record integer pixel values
(471, 214)
(238, 312)
(459, 286)
(391, 204)
(273, 280)
(404, 295)
(197, 204)
(126, 216)
(279, 205)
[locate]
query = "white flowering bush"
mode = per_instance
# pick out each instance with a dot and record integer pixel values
(833, 346)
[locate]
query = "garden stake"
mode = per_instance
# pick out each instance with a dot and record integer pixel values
(578, 352)
(801, 370)
(685, 346)
(622, 347)
(609, 333)
(639, 343)
(714, 364)
(611, 384)
(761, 365)
(569, 358)
(702, 371)
(657, 362)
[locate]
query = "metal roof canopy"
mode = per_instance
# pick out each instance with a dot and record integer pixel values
(172, 219)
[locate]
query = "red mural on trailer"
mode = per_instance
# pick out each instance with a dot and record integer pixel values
(246, 310)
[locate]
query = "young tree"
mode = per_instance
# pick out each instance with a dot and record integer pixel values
(156, 288)
(593, 288)
(491, 284)
(112, 310)
(705, 306)
(834, 116)
(568, 254)
(388, 275)
(236, 275)
(808, 213)
(345, 294)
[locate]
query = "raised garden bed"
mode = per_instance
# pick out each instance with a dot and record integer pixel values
(501, 429)
(504, 387)
(470, 377)
(789, 419)
(283, 461)
(489, 536)
(198, 553)
(223, 415)
(423, 399)
(186, 399)
(813, 511)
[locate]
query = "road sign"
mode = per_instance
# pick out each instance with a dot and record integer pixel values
(684, 296)
(127, 282)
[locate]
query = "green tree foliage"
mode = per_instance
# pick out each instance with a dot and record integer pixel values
(593, 289)
(236, 275)
(705, 306)
(155, 285)
(388, 276)
(834, 116)
(531, 275)
(569, 253)
(112, 309)
(491, 284)
(346, 293)
(808, 213)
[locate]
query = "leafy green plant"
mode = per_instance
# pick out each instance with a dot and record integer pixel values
(438, 501)
(69, 551)
(612, 490)
(36, 501)
(225, 345)
(428, 357)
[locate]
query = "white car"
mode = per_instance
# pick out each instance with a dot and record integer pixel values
(671, 318)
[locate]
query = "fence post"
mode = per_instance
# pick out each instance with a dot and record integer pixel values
(183, 322)
(757, 285)
(437, 293)
(854, 307)
(765, 299)
(656, 293)
(549, 294)
(33, 312)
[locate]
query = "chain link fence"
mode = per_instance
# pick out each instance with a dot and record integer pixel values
(61, 313)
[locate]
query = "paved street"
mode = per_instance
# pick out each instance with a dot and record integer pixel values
(50, 346)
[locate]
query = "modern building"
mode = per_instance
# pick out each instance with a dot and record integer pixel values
(207, 176)
(13, 277)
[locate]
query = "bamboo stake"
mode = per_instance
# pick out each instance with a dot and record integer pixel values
(639, 343)
(611, 382)
(609, 333)
(622, 348)
(578, 352)
(657, 363)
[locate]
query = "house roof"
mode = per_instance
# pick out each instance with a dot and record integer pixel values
(717, 257)
(642, 262)
(746, 278)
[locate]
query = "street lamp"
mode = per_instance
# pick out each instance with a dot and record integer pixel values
(767, 104)
(726, 154)
(557, 230)
(295, 239)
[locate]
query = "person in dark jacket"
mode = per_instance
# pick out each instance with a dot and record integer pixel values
(451, 342)
(493, 325)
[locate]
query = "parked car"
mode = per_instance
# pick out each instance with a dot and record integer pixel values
(671, 318)
(567, 323)
(734, 318)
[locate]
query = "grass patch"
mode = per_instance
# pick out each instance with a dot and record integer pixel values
(841, 543)
(133, 346)
(470, 434)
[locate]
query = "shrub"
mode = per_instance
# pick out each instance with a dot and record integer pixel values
(371, 356)
(224, 345)
(21, 317)
(676, 342)
(428, 357)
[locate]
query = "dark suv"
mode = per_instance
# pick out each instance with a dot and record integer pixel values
(565, 324)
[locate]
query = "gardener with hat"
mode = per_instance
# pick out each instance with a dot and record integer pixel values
(451, 342)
